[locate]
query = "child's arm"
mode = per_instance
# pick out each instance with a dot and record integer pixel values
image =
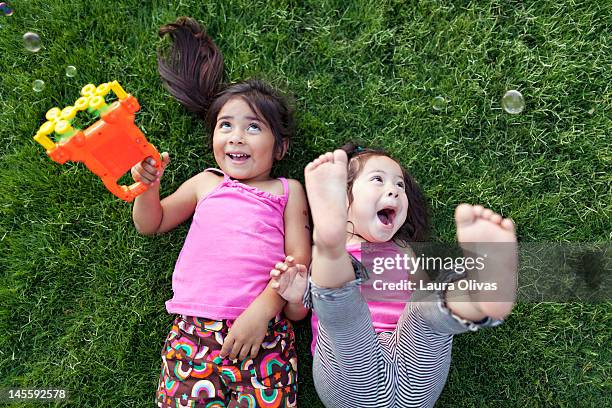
(290, 280)
(297, 239)
(152, 216)
(249, 329)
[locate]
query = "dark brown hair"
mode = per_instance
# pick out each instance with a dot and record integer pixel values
(191, 69)
(416, 226)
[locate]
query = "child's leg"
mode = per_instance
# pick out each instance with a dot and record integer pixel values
(326, 188)
(349, 369)
(424, 337)
(484, 233)
(423, 357)
(425, 329)
(193, 374)
(188, 375)
(270, 379)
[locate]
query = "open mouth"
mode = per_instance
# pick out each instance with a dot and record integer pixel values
(238, 156)
(386, 216)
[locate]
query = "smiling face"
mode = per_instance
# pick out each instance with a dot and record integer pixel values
(243, 144)
(380, 203)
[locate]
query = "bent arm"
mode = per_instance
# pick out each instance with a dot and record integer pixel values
(152, 216)
(297, 238)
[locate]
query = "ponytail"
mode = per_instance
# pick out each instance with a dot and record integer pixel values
(191, 68)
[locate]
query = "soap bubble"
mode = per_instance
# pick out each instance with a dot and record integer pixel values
(513, 102)
(6, 9)
(38, 85)
(71, 71)
(31, 41)
(439, 103)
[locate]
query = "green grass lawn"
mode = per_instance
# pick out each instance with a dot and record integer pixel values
(83, 294)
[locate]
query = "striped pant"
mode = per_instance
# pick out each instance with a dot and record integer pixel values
(355, 367)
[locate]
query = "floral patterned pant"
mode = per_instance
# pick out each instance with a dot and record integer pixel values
(193, 374)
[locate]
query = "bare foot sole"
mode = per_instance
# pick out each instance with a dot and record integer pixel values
(326, 188)
(482, 232)
(478, 224)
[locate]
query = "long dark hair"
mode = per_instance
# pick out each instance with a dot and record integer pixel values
(416, 227)
(191, 69)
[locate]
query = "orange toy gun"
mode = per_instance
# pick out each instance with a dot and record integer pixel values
(109, 147)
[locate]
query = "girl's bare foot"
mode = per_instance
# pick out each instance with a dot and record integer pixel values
(478, 224)
(326, 189)
(482, 232)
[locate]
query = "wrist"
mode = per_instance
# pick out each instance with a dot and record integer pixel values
(152, 190)
(264, 309)
(151, 194)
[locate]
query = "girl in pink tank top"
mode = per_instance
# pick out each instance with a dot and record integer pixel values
(229, 343)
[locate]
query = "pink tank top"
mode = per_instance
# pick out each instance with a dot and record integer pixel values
(385, 315)
(236, 236)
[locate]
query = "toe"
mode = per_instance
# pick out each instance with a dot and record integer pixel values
(486, 214)
(496, 218)
(464, 214)
(340, 156)
(478, 209)
(508, 224)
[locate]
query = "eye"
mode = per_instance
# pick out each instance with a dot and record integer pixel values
(224, 125)
(401, 184)
(377, 179)
(254, 127)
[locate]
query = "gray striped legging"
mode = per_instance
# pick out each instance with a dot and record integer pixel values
(355, 367)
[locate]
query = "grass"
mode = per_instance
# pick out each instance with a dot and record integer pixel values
(83, 294)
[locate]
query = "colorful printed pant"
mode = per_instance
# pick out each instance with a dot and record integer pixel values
(193, 374)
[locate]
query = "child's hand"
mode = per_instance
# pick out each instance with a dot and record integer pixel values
(290, 280)
(246, 335)
(146, 171)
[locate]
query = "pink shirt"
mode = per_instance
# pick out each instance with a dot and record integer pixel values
(385, 315)
(236, 236)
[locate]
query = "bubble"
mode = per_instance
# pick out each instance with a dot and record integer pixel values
(513, 102)
(31, 41)
(38, 85)
(70, 71)
(6, 9)
(439, 103)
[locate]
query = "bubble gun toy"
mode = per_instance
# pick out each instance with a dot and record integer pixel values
(109, 147)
